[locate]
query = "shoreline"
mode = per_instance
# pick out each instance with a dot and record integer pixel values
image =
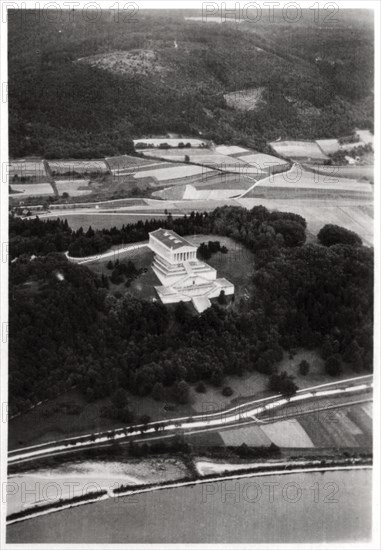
(208, 478)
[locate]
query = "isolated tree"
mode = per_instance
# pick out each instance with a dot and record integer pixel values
(304, 367)
(181, 392)
(333, 365)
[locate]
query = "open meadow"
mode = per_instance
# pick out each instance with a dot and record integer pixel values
(246, 99)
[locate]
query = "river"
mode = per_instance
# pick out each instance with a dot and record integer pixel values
(295, 508)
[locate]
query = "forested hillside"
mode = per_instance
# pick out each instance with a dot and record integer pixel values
(66, 329)
(81, 88)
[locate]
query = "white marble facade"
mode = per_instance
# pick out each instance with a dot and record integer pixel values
(183, 276)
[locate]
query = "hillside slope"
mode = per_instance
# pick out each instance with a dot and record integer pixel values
(81, 89)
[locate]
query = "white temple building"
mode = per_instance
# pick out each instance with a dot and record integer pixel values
(184, 278)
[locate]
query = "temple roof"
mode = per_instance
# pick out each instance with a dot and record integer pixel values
(171, 239)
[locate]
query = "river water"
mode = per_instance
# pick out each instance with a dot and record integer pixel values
(294, 508)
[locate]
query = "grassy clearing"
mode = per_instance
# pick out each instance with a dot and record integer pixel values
(245, 100)
(143, 286)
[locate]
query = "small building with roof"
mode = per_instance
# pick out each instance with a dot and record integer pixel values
(184, 278)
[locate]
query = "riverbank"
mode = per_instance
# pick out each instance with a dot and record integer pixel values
(195, 477)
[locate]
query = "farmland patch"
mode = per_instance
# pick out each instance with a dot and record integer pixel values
(287, 433)
(299, 149)
(251, 435)
(172, 172)
(26, 168)
(71, 166)
(230, 150)
(32, 190)
(74, 188)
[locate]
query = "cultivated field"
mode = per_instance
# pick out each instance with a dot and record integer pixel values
(26, 167)
(207, 157)
(251, 435)
(344, 427)
(353, 214)
(330, 146)
(74, 188)
(358, 172)
(263, 161)
(230, 150)
(287, 433)
(32, 190)
(78, 166)
(127, 163)
(299, 149)
(172, 172)
(299, 183)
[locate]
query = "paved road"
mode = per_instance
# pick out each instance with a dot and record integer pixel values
(241, 414)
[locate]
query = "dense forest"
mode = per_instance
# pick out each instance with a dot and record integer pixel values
(315, 80)
(67, 330)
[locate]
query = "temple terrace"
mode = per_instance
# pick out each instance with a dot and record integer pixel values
(184, 278)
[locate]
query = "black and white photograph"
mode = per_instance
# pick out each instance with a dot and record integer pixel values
(190, 274)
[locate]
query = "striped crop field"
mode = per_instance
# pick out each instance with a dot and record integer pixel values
(79, 166)
(299, 149)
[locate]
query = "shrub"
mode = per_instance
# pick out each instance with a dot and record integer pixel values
(227, 391)
(201, 388)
